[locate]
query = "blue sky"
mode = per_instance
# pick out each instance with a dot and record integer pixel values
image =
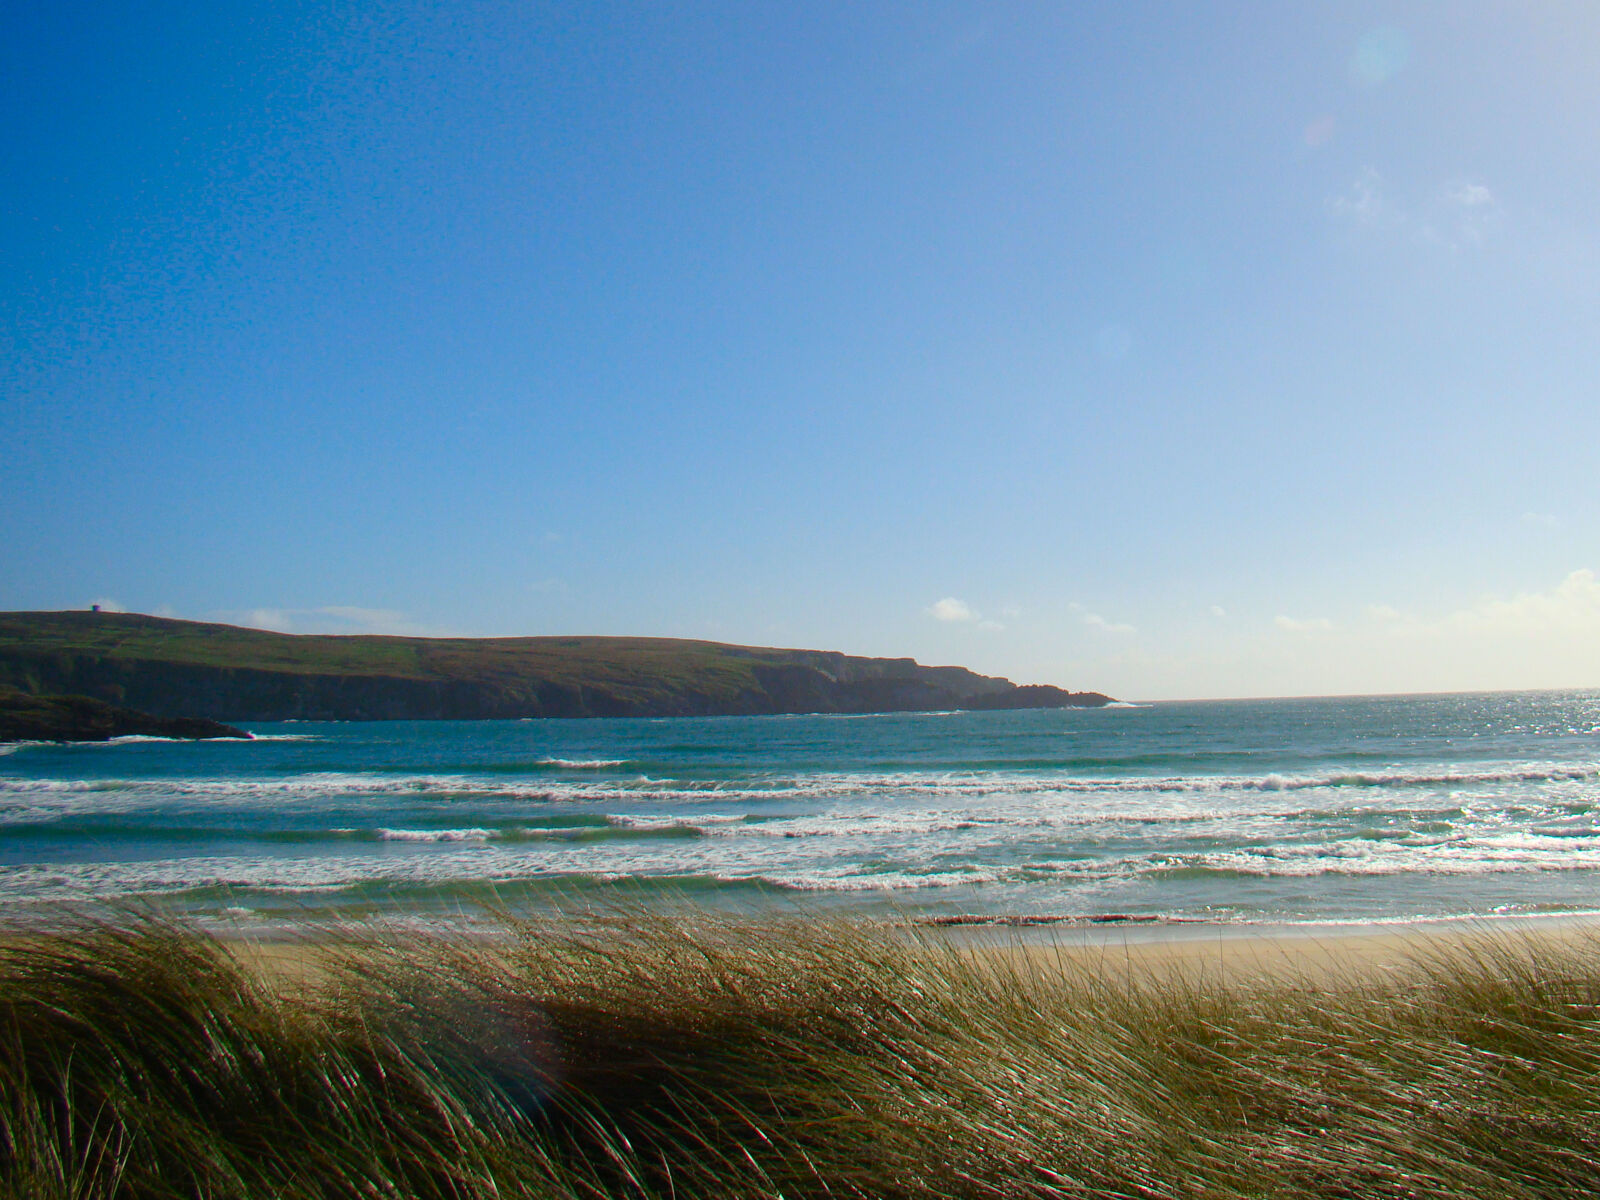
(1169, 350)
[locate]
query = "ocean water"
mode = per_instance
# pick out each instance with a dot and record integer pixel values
(1324, 810)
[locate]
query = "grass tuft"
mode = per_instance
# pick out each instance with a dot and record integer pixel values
(691, 1056)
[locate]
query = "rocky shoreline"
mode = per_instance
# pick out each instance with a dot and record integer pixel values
(25, 718)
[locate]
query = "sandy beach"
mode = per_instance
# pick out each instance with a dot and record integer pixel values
(1215, 955)
(1320, 954)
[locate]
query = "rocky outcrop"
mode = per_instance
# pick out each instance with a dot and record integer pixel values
(84, 719)
(1038, 695)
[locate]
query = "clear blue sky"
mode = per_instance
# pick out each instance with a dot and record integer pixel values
(1165, 349)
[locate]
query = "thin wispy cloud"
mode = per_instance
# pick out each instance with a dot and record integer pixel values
(373, 620)
(1303, 625)
(1362, 202)
(1469, 195)
(275, 619)
(330, 618)
(1457, 215)
(1461, 215)
(1570, 609)
(1095, 621)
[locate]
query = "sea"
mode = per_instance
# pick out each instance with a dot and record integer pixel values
(1283, 812)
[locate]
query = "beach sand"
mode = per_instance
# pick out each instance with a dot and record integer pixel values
(1214, 955)
(1312, 954)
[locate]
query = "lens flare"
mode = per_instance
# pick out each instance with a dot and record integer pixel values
(1319, 132)
(1380, 55)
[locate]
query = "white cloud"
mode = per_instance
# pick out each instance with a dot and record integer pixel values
(1573, 606)
(1218, 611)
(951, 609)
(1542, 635)
(990, 626)
(1569, 609)
(1096, 621)
(275, 619)
(1541, 520)
(1362, 202)
(1295, 625)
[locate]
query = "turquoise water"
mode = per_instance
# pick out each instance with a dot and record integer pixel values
(1349, 809)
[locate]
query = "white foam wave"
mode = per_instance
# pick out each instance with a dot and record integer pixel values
(872, 716)
(435, 835)
(708, 820)
(887, 881)
(1045, 796)
(584, 764)
(467, 857)
(128, 739)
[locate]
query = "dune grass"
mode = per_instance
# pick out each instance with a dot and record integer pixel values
(688, 1056)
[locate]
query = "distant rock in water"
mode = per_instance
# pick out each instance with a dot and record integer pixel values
(26, 718)
(171, 667)
(1038, 695)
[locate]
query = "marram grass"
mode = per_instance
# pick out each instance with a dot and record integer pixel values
(695, 1057)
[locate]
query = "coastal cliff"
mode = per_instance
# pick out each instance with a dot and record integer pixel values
(169, 668)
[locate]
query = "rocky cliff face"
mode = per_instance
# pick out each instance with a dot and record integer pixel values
(244, 694)
(140, 662)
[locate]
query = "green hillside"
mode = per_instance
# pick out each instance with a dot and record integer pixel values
(230, 673)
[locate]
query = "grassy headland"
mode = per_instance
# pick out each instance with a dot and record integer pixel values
(654, 1057)
(223, 672)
